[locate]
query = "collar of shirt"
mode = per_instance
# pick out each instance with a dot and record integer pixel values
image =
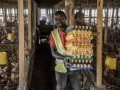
(62, 32)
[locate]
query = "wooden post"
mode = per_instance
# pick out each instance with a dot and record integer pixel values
(9, 8)
(49, 15)
(39, 14)
(67, 7)
(53, 12)
(5, 15)
(99, 41)
(47, 12)
(52, 15)
(117, 14)
(55, 8)
(29, 24)
(90, 13)
(58, 6)
(21, 45)
(112, 20)
(35, 15)
(106, 25)
(72, 2)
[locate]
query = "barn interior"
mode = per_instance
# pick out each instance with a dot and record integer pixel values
(26, 62)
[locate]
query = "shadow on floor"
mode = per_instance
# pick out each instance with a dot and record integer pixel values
(43, 77)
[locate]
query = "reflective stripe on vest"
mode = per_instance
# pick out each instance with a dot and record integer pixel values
(58, 42)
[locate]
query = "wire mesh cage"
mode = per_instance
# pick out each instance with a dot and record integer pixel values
(9, 44)
(26, 36)
(111, 39)
(111, 45)
(9, 66)
(88, 9)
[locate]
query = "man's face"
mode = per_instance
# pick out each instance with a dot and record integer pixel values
(60, 21)
(80, 19)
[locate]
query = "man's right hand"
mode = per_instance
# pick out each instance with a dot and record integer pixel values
(66, 61)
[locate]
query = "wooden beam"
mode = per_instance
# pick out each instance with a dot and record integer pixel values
(38, 14)
(49, 14)
(8, 2)
(117, 14)
(63, 1)
(29, 24)
(106, 24)
(5, 16)
(83, 3)
(35, 15)
(56, 7)
(72, 3)
(53, 12)
(90, 13)
(99, 41)
(112, 20)
(67, 8)
(21, 44)
(44, 5)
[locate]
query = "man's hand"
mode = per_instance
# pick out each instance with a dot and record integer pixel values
(66, 61)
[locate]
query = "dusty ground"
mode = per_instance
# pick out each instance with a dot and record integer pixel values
(43, 72)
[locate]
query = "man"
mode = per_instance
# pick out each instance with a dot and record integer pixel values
(79, 19)
(87, 75)
(64, 75)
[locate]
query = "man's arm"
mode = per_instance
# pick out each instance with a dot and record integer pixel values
(55, 53)
(59, 56)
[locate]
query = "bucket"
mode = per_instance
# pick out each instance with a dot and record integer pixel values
(11, 36)
(3, 58)
(110, 62)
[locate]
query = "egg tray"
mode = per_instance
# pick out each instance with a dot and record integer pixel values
(69, 29)
(81, 59)
(80, 63)
(81, 66)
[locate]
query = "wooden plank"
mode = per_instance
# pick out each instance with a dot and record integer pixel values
(99, 41)
(58, 6)
(112, 20)
(94, 3)
(53, 12)
(90, 13)
(46, 10)
(49, 16)
(67, 7)
(21, 44)
(29, 24)
(35, 16)
(117, 14)
(72, 2)
(5, 16)
(106, 25)
(63, 1)
(38, 14)
(33, 31)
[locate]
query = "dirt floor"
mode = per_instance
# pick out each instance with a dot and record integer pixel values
(43, 77)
